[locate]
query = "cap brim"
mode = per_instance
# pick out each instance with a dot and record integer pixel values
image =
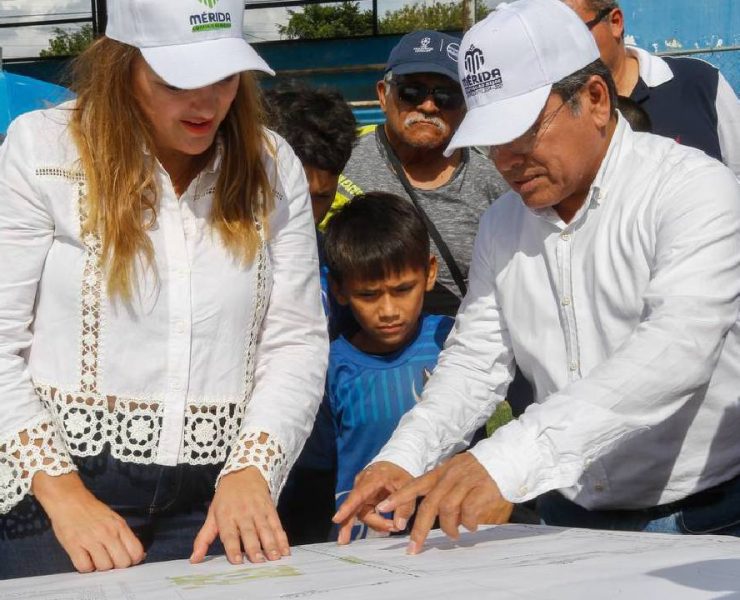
(195, 65)
(499, 122)
(410, 68)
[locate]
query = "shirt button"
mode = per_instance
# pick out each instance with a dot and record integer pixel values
(599, 487)
(565, 237)
(179, 326)
(523, 490)
(565, 301)
(175, 384)
(573, 366)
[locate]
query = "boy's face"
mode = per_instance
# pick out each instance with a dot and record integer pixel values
(387, 310)
(322, 185)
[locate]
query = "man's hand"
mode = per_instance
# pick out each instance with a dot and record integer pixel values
(372, 485)
(243, 515)
(94, 536)
(460, 492)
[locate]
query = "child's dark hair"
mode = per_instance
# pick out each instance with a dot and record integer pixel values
(374, 236)
(635, 114)
(317, 123)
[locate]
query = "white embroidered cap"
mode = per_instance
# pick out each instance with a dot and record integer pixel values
(508, 63)
(188, 43)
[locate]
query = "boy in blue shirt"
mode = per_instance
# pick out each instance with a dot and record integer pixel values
(380, 266)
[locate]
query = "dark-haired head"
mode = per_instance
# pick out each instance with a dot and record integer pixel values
(635, 114)
(317, 123)
(320, 127)
(375, 236)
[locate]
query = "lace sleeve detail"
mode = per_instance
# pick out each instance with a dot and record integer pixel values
(258, 449)
(37, 448)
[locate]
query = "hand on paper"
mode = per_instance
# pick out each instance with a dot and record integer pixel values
(460, 492)
(372, 485)
(243, 515)
(94, 536)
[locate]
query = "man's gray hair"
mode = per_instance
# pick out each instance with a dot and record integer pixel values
(568, 87)
(599, 5)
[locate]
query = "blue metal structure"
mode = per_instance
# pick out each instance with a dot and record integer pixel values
(19, 94)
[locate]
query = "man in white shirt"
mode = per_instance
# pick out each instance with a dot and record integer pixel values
(611, 274)
(687, 99)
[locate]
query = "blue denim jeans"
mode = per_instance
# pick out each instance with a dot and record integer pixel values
(164, 506)
(715, 510)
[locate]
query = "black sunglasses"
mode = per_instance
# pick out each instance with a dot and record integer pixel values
(600, 16)
(446, 98)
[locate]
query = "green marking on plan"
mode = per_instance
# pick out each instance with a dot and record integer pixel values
(352, 560)
(233, 577)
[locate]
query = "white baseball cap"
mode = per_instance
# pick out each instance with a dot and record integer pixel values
(508, 63)
(188, 43)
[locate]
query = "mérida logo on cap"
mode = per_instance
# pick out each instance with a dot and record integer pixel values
(479, 80)
(207, 21)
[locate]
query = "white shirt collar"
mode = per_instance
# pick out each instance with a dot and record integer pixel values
(654, 71)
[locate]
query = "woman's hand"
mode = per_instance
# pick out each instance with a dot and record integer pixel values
(94, 536)
(243, 515)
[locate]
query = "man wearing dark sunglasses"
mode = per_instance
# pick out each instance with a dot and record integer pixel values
(686, 99)
(423, 106)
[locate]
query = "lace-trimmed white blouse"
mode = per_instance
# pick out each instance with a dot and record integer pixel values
(210, 361)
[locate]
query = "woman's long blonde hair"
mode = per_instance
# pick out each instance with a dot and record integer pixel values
(111, 133)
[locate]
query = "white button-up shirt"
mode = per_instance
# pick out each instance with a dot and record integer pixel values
(626, 322)
(211, 360)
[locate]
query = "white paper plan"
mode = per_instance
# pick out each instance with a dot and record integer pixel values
(511, 561)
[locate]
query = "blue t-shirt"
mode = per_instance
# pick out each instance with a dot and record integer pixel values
(366, 396)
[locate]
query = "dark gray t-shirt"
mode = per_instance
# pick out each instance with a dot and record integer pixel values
(455, 207)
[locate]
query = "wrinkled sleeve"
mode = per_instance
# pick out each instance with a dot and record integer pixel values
(691, 302)
(472, 375)
(29, 441)
(292, 348)
(728, 125)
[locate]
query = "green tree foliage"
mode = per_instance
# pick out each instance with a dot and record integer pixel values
(69, 42)
(324, 21)
(346, 19)
(440, 16)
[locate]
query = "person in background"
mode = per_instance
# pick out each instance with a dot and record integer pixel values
(611, 274)
(163, 347)
(381, 266)
(687, 99)
(423, 105)
(320, 127)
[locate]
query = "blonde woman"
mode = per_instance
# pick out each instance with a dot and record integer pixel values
(161, 334)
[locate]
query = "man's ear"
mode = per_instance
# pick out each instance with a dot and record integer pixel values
(596, 99)
(380, 89)
(431, 273)
(616, 24)
(338, 291)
